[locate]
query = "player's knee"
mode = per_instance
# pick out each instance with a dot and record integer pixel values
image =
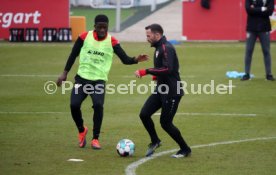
(98, 107)
(75, 105)
(266, 53)
(250, 51)
(143, 115)
(166, 125)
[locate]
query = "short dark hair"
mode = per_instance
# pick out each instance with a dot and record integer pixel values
(101, 18)
(155, 28)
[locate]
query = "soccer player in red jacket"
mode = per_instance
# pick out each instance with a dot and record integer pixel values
(167, 94)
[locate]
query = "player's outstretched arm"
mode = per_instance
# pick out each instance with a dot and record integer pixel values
(119, 51)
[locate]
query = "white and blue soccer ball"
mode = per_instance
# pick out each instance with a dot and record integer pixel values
(125, 147)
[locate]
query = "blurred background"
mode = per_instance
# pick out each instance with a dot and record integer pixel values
(183, 20)
(38, 136)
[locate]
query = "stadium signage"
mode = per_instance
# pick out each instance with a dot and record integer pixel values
(33, 14)
(6, 19)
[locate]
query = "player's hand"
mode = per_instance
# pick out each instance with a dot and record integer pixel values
(137, 74)
(61, 78)
(140, 73)
(142, 57)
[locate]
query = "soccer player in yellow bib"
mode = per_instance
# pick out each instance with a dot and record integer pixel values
(95, 50)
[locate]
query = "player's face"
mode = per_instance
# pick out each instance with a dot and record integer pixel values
(101, 29)
(152, 37)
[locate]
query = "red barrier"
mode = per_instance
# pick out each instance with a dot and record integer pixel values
(225, 20)
(33, 14)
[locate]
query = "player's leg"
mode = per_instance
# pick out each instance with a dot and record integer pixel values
(249, 48)
(169, 108)
(152, 104)
(98, 103)
(77, 97)
(265, 43)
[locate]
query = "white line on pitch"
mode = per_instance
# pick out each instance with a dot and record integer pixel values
(26, 75)
(188, 114)
(213, 114)
(130, 169)
(22, 112)
(75, 160)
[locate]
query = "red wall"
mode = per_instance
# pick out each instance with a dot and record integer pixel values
(225, 20)
(32, 14)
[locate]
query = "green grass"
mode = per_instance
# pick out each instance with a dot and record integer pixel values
(91, 13)
(41, 143)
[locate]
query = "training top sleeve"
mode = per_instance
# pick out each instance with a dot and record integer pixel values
(74, 54)
(114, 41)
(168, 57)
(83, 35)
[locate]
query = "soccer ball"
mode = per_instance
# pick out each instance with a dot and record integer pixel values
(125, 147)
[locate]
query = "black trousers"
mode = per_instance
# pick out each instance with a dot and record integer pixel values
(168, 107)
(250, 44)
(96, 90)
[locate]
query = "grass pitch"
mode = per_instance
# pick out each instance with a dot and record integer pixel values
(38, 135)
